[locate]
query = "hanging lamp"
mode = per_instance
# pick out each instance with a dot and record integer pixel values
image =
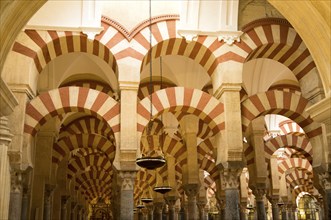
(150, 160)
(146, 197)
(164, 188)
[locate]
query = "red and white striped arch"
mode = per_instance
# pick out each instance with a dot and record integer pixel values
(93, 172)
(70, 144)
(274, 38)
(303, 188)
(180, 99)
(135, 43)
(205, 149)
(70, 99)
(87, 125)
(298, 163)
(97, 192)
(92, 182)
(282, 103)
(92, 84)
(289, 126)
(210, 166)
(44, 46)
(179, 46)
(289, 140)
(81, 163)
(144, 88)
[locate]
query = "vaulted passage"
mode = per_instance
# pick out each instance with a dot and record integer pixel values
(165, 110)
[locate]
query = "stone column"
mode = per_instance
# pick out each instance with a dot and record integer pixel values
(79, 212)
(274, 207)
(25, 203)
(177, 210)
(158, 207)
(201, 207)
(259, 198)
(150, 209)
(126, 196)
(15, 203)
(230, 182)
(325, 183)
(284, 212)
(191, 190)
(64, 203)
(48, 195)
(73, 206)
(5, 140)
(171, 201)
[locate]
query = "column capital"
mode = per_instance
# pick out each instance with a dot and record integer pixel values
(126, 179)
(191, 190)
(325, 180)
(65, 199)
(7, 99)
(49, 189)
(230, 178)
(259, 193)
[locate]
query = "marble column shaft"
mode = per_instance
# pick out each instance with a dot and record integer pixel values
(260, 208)
(15, 203)
(64, 203)
(126, 196)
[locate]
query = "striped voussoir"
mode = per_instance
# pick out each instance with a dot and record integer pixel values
(273, 39)
(97, 192)
(299, 182)
(73, 143)
(289, 126)
(136, 42)
(303, 188)
(91, 172)
(180, 99)
(297, 174)
(87, 125)
(277, 102)
(84, 186)
(209, 166)
(81, 163)
(145, 89)
(44, 46)
(205, 149)
(70, 99)
(178, 46)
(298, 163)
(92, 84)
(285, 141)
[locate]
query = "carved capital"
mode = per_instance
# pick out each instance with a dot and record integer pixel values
(64, 200)
(325, 180)
(274, 200)
(158, 206)
(73, 205)
(230, 178)
(49, 189)
(191, 190)
(127, 179)
(259, 193)
(171, 201)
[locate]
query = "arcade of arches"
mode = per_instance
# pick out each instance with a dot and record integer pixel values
(234, 94)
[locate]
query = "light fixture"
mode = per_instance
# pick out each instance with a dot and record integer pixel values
(150, 159)
(164, 188)
(146, 197)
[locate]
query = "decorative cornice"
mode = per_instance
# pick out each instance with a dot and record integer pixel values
(265, 21)
(320, 111)
(7, 99)
(22, 88)
(129, 35)
(229, 37)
